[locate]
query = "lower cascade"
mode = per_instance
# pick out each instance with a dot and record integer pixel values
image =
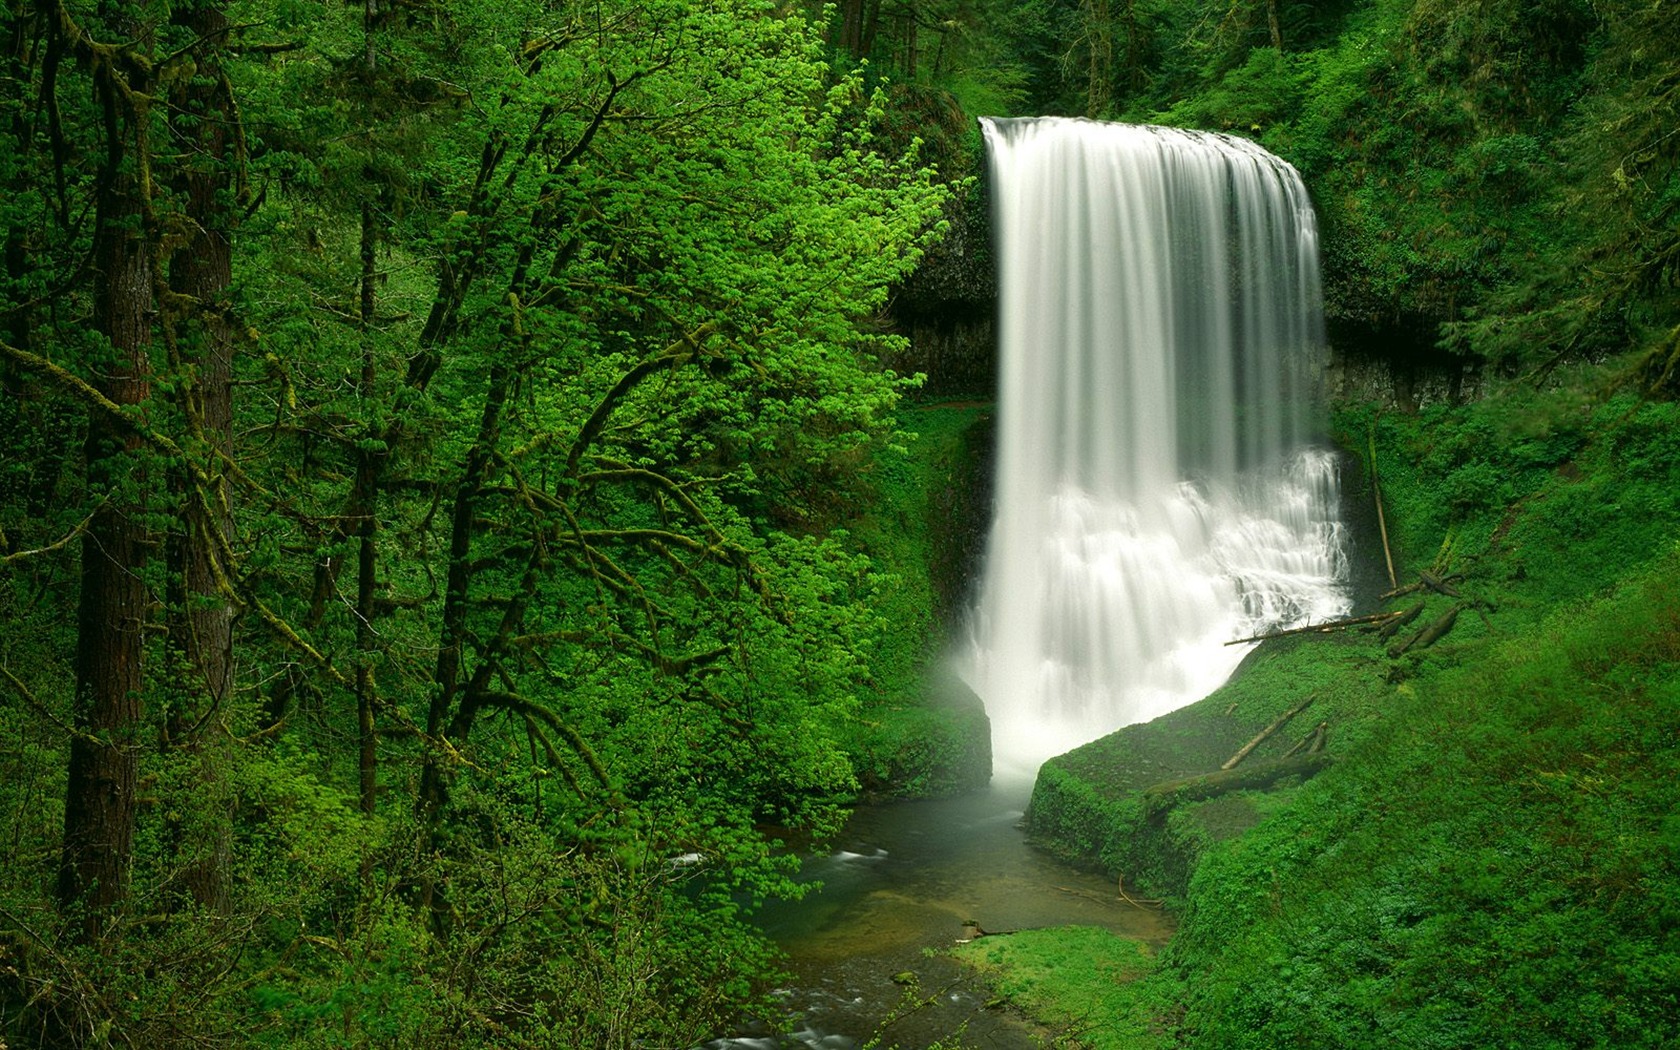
(1157, 491)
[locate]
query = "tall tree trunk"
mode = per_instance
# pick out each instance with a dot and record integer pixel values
(365, 510)
(912, 49)
(851, 27)
(202, 270)
(1134, 48)
(99, 810)
(1099, 32)
(869, 27)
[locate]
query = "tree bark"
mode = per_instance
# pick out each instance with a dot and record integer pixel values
(202, 271)
(99, 809)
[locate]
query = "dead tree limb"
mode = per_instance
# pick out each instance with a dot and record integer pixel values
(1260, 738)
(1429, 634)
(1312, 743)
(1164, 796)
(1318, 628)
(1438, 585)
(1401, 619)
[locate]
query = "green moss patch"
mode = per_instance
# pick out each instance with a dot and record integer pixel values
(1084, 983)
(1089, 806)
(920, 733)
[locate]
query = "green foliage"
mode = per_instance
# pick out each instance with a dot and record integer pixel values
(1494, 839)
(920, 731)
(1489, 860)
(1495, 178)
(1088, 983)
(1545, 495)
(552, 334)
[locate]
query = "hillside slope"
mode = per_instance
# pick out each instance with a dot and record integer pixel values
(1491, 854)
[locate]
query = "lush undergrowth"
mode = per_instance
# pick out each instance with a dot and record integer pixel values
(1493, 856)
(1505, 849)
(1086, 983)
(921, 732)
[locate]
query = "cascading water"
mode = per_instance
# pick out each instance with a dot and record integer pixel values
(1161, 334)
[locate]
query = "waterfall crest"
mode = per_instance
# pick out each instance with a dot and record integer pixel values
(1161, 337)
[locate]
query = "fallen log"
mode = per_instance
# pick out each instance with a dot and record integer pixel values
(1429, 634)
(1312, 743)
(1401, 619)
(1317, 628)
(1438, 585)
(1278, 723)
(1162, 797)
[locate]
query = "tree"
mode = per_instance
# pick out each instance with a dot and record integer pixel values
(560, 326)
(114, 605)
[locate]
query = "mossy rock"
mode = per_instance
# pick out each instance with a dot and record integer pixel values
(1091, 806)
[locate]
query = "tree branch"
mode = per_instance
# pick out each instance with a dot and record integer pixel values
(59, 545)
(90, 395)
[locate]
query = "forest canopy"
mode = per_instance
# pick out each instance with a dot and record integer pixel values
(418, 416)
(1496, 182)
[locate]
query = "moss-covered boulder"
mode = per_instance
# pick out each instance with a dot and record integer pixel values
(1120, 802)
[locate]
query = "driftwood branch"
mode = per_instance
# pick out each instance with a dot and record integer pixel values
(1136, 902)
(1318, 628)
(1260, 738)
(1164, 796)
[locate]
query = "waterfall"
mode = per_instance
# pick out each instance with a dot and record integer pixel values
(1157, 495)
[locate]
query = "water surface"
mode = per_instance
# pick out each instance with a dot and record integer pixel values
(897, 888)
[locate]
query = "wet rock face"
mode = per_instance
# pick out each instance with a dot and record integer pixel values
(948, 306)
(960, 516)
(954, 345)
(1396, 365)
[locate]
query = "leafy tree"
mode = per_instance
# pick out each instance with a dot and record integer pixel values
(557, 325)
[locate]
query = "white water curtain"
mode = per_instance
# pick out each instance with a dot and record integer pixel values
(1161, 336)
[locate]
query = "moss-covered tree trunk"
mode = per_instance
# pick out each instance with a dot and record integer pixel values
(202, 272)
(114, 603)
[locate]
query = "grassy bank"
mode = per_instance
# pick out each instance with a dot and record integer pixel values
(1490, 855)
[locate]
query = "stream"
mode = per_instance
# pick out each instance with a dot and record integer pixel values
(896, 889)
